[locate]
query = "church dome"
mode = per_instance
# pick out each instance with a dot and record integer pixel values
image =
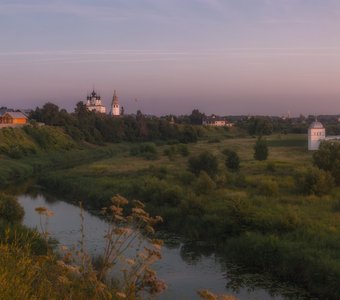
(316, 125)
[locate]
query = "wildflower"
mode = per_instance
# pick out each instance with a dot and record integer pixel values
(121, 295)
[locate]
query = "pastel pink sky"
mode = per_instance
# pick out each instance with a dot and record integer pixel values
(220, 56)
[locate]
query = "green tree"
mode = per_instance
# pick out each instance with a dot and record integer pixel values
(232, 161)
(196, 117)
(204, 162)
(328, 158)
(260, 126)
(261, 149)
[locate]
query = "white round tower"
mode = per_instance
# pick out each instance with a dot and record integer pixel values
(316, 133)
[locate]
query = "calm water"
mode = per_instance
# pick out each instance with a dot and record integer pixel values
(183, 268)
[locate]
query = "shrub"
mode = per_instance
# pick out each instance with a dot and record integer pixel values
(10, 209)
(186, 177)
(204, 184)
(260, 149)
(170, 152)
(204, 162)
(232, 161)
(267, 187)
(183, 150)
(146, 150)
(159, 192)
(315, 181)
(328, 158)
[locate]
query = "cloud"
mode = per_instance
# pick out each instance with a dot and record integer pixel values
(150, 55)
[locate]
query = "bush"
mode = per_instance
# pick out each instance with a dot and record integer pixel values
(267, 188)
(204, 184)
(146, 150)
(328, 158)
(232, 161)
(260, 149)
(10, 209)
(160, 193)
(204, 162)
(170, 152)
(315, 182)
(183, 150)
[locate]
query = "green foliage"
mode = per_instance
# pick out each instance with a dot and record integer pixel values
(260, 149)
(159, 192)
(328, 158)
(232, 161)
(15, 143)
(183, 150)
(317, 271)
(170, 152)
(23, 237)
(21, 142)
(83, 125)
(259, 126)
(10, 209)
(267, 188)
(146, 150)
(196, 117)
(173, 150)
(271, 167)
(203, 162)
(186, 177)
(204, 184)
(50, 138)
(315, 182)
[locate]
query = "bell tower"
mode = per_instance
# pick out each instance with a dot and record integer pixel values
(115, 105)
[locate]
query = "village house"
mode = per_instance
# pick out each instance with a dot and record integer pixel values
(214, 120)
(12, 118)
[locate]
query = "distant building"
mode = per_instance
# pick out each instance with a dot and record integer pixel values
(214, 120)
(115, 106)
(317, 134)
(12, 119)
(94, 103)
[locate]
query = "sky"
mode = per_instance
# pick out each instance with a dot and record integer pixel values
(226, 57)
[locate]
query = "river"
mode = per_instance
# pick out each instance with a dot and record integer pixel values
(184, 268)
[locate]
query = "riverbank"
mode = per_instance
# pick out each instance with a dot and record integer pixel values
(28, 152)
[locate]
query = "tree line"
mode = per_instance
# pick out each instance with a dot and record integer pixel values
(92, 127)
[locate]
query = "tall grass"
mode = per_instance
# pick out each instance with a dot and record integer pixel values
(73, 274)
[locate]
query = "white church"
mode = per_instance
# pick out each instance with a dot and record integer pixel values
(94, 103)
(317, 134)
